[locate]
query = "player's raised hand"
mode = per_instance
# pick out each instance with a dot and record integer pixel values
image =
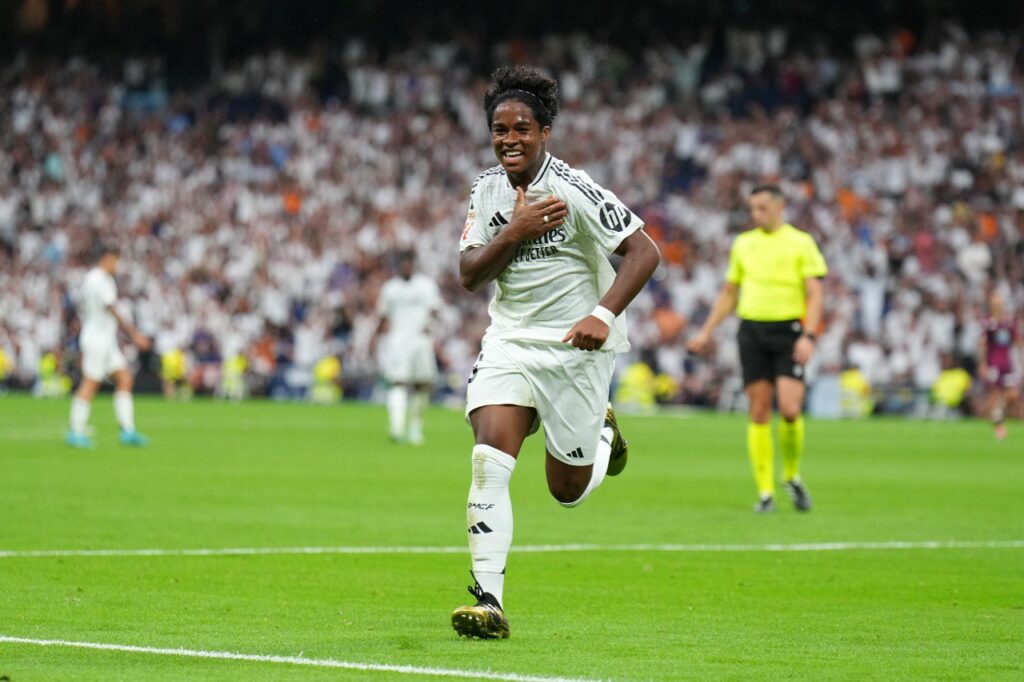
(590, 333)
(530, 221)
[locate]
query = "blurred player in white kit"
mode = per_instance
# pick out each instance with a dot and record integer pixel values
(407, 307)
(101, 356)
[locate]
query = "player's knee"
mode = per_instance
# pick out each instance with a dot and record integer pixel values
(567, 492)
(790, 412)
(760, 413)
(86, 390)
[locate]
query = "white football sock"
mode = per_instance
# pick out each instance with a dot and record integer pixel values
(124, 410)
(601, 459)
(79, 415)
(492, 583)
(489, 517)
(419, 401)
(397, 402)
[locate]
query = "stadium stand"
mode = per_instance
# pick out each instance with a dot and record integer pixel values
(258, 210)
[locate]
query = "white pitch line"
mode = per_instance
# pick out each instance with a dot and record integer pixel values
(292, 660)
(529, 549)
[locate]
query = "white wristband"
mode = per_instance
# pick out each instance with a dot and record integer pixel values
(603, 314)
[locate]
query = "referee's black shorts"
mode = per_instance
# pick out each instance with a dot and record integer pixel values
(766, 350)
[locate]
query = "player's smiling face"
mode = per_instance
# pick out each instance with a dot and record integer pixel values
(518, 139)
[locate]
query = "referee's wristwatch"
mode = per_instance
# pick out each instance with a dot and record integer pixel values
(812, 336)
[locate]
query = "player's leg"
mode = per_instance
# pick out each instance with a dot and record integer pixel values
(757, 363)
(419, 398)
(760, 447)
(397, 402)
(571, 389)
(396, 366)
(994, 408)
(81, 406)
(424, 376)
(499, 432)
(569, 483)
(500, 408)
(790, 392)
(124, 408)
(97, 359)
(1004, 398)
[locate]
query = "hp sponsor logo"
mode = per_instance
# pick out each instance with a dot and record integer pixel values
(615, 218)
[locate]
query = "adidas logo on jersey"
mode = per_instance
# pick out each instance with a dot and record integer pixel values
(497, 220)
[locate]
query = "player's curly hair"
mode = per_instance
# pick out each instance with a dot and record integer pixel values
(527, 85)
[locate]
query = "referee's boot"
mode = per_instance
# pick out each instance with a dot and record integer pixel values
(485, 619)
(765, 505)
(798, 493)
(619, 446)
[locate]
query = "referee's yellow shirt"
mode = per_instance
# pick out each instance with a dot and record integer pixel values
(770, 269)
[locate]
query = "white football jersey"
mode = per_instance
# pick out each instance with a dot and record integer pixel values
(553, 281)
(409, 305)
(99, 291)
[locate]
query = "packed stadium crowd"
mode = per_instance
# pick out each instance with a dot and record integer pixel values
(260, 215)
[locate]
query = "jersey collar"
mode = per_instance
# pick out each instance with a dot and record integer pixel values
(781, 228)
(548, 159)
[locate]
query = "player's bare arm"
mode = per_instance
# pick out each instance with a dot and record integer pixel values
(380, 330)
(138, 340)
(804, 347)
(483, 264)
(640, 258)
(724, 305)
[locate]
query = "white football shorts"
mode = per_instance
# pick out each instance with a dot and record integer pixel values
(408, 360)
(567, 386)
(100, 357)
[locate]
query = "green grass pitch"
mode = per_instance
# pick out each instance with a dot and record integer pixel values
(261, 475)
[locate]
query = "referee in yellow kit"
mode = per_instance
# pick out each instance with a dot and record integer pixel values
(774, 272)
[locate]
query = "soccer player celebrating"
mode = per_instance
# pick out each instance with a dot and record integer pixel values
(406, 305)
(101, 356)
(543, 231)
(996, 368)
(774, 273)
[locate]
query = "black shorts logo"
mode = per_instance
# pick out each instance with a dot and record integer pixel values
(615, 218)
